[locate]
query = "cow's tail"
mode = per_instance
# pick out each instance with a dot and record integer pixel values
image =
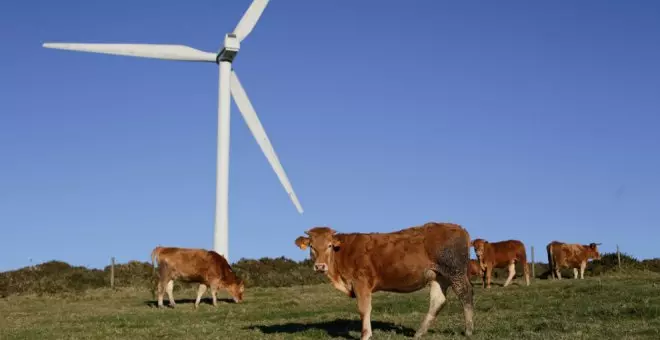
(525, 266)
(154, 276)
(551, 266)
(469, 244)
(154, 258)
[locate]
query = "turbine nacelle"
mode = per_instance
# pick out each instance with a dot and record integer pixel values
(230, 48)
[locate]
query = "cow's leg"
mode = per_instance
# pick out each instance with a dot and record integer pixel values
(170, 292)
(161, 293)
(575, 273)
(200, 291)
(526, 271)
(512, 273)
(583, 265)
(363, 295)
(463, 289)
(453, 263)
(437, 301)
(214, 294)
(558, 272)
(551, 267)
(163, 278)
(483, 277)
(489, 271)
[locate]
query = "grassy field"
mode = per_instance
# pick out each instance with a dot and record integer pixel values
(613, 307)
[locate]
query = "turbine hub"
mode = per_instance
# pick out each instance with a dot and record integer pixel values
(230, 48)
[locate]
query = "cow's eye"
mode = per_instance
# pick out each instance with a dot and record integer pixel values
(330, 245)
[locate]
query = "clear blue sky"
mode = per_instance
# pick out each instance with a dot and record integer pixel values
(536, 121)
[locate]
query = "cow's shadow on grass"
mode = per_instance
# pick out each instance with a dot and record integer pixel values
(209, 301)
(338, 328)
(479, 284)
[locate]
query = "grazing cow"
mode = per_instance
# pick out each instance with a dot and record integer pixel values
(404, 261)
(499, 255)
(566, 255)
(207, 268)
(475, 269)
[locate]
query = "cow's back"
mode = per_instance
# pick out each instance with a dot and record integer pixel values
(502, 252)
(565, 254)
(400, 261)
(188, 264)
(574, 254)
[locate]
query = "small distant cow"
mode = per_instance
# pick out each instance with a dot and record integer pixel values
(565, 255)
(207, 268)
(403, 261)
(500, 255)
(475, 269)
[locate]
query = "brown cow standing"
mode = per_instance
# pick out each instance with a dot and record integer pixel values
(208, 268)
(404, 261)
(499, 255)
(565, 255)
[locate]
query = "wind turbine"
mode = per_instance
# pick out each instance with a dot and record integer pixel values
(228, 84)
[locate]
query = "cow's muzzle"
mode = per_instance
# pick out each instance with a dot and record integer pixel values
(320, 267)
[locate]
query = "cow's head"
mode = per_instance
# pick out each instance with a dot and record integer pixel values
(479, 245)
(322, 244)
(236, 290)
(592, 251)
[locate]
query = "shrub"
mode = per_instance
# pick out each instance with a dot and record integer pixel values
(278, 272)
(58, 277)
(132, 274)
(51, 277)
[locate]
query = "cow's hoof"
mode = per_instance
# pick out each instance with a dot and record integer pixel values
(365, 335)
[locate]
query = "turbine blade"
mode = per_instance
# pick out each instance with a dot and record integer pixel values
(250, 116)
(249, 19)
(156, 51)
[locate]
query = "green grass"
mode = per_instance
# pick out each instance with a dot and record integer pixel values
(607, 307)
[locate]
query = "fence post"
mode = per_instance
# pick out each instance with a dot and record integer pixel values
(618, 257)
(112, 273)
(533, 264)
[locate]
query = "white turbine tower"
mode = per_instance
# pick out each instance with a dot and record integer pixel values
(228, 84)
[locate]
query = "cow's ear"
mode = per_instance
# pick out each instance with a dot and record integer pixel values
(302, 242)
(336, 244)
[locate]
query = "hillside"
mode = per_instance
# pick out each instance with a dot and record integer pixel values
(56, 277)
(611, 306)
